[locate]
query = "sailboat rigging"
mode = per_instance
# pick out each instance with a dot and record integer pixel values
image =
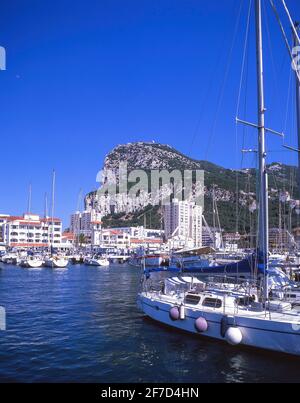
(248, 313)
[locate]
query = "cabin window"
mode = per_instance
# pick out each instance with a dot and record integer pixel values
(291, 296)
(212, 302)
(192, 299)
(244, 301)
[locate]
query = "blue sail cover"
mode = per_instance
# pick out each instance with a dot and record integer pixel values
(245, 266)
(147, 270)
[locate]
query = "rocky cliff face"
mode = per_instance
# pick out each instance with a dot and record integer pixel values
(149, 156)
(225, 184)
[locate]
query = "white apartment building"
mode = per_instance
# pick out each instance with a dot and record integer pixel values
(121, 238)
(115, 238)
(30, 230)
(141, 232)
(183, 219)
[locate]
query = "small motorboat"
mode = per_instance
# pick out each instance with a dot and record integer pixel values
(97, 261)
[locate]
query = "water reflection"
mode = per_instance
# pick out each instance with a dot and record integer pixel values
(83, 325)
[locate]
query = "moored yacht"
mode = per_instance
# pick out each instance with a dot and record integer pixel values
(33, 262)
(235, 316)
(156, 259)
(256, 316)
(194, 257)
(11, 258)
(56, 262)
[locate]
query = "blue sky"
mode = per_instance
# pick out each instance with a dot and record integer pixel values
(84, 76)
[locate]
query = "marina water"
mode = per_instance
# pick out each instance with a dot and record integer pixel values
(81, 324)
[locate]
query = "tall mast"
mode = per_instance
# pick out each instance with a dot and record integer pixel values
(52, 207)
(214, 216)
(263, 177)
(46, 206)
(296, 43)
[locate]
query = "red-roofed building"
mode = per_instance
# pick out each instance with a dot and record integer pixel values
(115, 238)
(30, 230)
(148, 243)
(68, 238)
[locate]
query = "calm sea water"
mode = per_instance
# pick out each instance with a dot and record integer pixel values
(82, 325)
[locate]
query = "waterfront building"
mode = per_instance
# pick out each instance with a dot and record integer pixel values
(68, 239)
(115, 238)
(88, 225)
(148, 244)
(141, 232)
(30, 230)
(183, 219)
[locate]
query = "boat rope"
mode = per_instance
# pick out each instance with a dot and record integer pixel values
(285, 39)
(224, 81)
(215, 66)
(245, 53)
(287, 104)
(274, 93)
(244, 58)
(291, 21)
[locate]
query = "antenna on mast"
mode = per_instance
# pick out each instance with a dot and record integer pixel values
(52, 206)
(29, 199)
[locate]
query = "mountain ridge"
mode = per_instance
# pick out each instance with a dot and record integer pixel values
(224, 181)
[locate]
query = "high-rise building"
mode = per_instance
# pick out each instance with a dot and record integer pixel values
(183, 219)
(88, 224)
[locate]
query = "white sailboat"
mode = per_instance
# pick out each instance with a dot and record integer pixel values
(56, 262)
(32, 262)
(240, 317)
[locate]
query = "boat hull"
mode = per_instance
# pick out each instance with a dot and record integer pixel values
(258, 333)
(31, 264)
(35, 264)
(98, 262)
(56, 264)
